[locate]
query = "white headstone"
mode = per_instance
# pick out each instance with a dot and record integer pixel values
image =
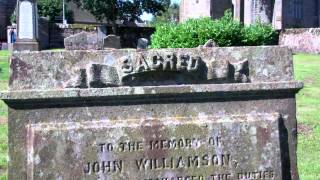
(26, 21)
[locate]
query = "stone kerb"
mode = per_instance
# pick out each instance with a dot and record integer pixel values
(219, 113)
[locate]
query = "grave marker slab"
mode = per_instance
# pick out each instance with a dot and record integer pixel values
(112, 41)
(203, 113)
(27, 20)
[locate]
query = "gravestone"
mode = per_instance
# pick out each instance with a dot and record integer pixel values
(4, 46)
(143, 43)
(112, 41)
(27, 26)
(83, 41)
(176, 114)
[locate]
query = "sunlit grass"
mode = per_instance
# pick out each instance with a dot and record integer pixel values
(307, 69)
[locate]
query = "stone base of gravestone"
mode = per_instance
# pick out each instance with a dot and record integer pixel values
(112, 41)
(25, 46)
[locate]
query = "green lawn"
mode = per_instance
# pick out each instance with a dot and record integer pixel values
(307, 69)
(4, 76)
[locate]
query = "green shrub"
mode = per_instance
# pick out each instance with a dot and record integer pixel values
(259, 34)
(224, 31)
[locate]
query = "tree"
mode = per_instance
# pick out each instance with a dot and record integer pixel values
(127, 10)
(171, 15)
(50, 8)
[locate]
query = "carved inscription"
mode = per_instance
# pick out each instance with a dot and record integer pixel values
(144, 164)
(157, 68)
(161, 163)
(190, 150)
(159, 62)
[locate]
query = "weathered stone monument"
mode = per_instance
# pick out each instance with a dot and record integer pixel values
(27, 26)
(83, 41)
(169, 114)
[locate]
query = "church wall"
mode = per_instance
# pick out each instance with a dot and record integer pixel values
(194, 9)
(310, 16)
(218, 7)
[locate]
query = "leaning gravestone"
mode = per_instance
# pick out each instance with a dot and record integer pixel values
(169, 114)
(27, 20)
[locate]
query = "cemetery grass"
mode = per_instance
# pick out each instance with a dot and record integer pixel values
(4, 77)
(307, 69)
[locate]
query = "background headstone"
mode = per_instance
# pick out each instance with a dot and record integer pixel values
(4, 46)
(83, 41)
(112, 41)
(143, 43)
(27, 26)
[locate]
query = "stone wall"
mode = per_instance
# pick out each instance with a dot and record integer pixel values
(304, 40)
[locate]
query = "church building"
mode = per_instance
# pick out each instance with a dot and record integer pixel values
(280, 13)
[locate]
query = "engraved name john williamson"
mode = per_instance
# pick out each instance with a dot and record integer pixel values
(144, 164)
(230, 147)
(211, 153)
(187, 161)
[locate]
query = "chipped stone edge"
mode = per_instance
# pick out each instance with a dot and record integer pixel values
(294, 86)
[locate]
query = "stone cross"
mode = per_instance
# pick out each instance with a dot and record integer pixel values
(27, 21)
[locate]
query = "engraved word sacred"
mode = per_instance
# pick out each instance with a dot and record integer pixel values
(159, 62)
